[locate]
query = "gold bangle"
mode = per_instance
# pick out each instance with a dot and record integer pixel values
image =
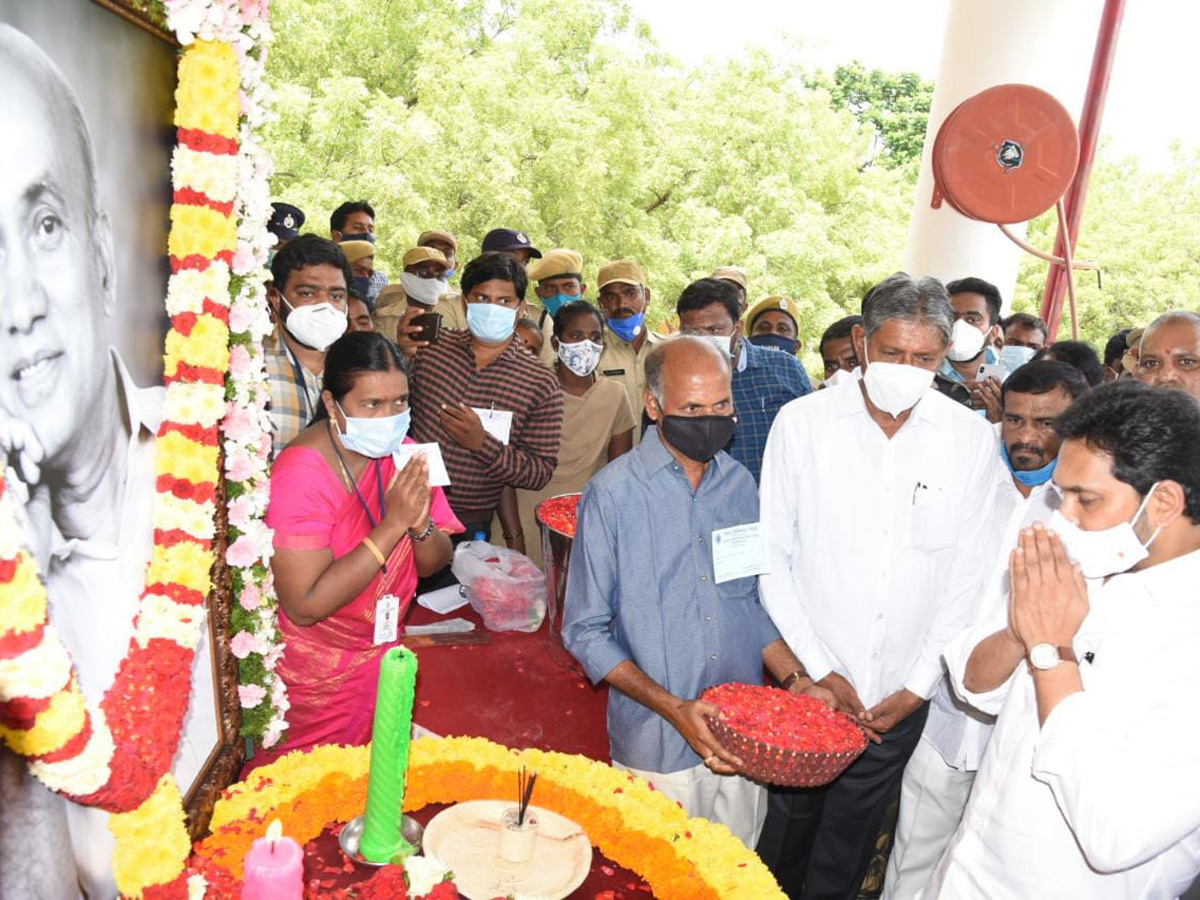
(379, 557)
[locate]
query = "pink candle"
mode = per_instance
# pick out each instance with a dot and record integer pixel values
(274, 868)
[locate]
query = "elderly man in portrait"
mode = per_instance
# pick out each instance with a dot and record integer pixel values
(653, 606)
(77, 433)
(876, 563)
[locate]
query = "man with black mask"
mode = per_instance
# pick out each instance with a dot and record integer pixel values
(650, 549)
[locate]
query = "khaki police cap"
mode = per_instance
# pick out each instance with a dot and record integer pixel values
(357, 250)
(736, 274)
(555, 264)
(774, 304)
(625, 271)
(418, 255)
(436, 235)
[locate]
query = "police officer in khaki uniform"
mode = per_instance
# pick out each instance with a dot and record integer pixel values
(558, 279)
(421, 285)
(736, 275)
(624, 298)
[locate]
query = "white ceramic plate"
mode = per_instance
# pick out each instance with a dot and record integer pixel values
(466, 837)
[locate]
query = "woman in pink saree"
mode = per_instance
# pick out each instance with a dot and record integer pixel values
(352, 535)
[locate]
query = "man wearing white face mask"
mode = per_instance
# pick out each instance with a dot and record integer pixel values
(308, 299)
(763, 380)
(421, 285)
(1085, 788)
(875, 562)
(971, 373)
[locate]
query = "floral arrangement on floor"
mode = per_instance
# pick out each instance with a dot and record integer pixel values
(631, 823)
(117, 756)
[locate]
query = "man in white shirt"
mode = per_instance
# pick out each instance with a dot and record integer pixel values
(1087, 785)
(874, 494)
(938, 777)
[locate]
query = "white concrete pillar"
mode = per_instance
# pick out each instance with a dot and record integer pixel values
(1046, 43)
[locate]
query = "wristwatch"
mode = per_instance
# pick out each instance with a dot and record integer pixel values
(1047, 656)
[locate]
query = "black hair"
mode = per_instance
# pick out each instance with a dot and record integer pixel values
(1078, 354)
(355, 294)
(357, 353)
(304, 251)
(494, 266)
(1151, 434)
(337, 221)
(572, 310)
(1027, 320)
(837, 331)
(1116, 348)
(707, 292)
(1044, 376)
(986, 289)
(526, 322)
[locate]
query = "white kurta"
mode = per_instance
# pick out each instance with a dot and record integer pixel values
(875, 543)
(1103, 801)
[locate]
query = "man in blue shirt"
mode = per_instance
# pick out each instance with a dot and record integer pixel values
(654, 605)
(763, 380)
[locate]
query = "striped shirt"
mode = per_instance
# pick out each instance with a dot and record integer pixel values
(445, 373)
(291, 411)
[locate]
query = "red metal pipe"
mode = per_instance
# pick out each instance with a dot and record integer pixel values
(1089, 137)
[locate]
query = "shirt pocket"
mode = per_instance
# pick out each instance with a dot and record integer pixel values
(933, 522)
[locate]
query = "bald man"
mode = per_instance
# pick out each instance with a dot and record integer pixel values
(1170, 352)
(657, 604)
(76, 434)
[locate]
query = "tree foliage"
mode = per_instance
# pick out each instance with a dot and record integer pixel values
(562, 118)
(1143, 228)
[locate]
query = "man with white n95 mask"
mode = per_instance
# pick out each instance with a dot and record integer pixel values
(875, 564)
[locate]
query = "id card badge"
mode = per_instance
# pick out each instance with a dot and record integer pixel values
(496, 422)
(739, 552)
(387, 619)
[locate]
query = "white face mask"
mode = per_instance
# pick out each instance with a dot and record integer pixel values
(1103, 553)
(723, 342)
(1012, 357)
(966, 341)
(841, 376)
(895, 387)
(425, 291)
(316, 326)
(582, 357)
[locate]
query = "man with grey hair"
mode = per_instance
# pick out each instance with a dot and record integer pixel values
(1169, 354)
(657, 604)
(77, 436)
(874, 566)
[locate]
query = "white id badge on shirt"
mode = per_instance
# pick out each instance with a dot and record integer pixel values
(496, 422)
(739, 552)
(387, 619)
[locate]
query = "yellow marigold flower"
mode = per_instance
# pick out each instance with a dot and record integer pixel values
(186, 564)
(207, 96)
(199, 230)
(152, 841)
(184, 458)
(23, 600)
(207, 345)
(55, 725)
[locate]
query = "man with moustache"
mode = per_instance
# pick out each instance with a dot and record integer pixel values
(80, 435)
(624, 298)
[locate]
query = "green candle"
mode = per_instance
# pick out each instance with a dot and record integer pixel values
(381, 840)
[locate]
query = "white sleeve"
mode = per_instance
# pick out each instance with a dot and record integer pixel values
(1124, 775)
(778, 590)
(958, 652)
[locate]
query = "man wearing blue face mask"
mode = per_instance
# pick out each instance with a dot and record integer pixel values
(559, 281)
(938, 777)
(624, 298)
(493, 408)
(1084, 788)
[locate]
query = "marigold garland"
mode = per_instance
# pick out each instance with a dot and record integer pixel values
(118, 756)
(629, 821)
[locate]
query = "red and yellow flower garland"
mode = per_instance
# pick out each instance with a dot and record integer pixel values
(632, 824)
(118, 757)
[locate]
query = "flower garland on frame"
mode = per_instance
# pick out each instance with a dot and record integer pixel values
(117, 756)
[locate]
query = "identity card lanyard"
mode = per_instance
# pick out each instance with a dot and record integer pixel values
(363, 500)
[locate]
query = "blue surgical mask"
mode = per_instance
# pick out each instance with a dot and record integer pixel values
(491, 322)
(627, 329)
(1032, 477)
(557, 302)
(376, 437)
(774, 342)
(362, 284)
(1013, 357)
